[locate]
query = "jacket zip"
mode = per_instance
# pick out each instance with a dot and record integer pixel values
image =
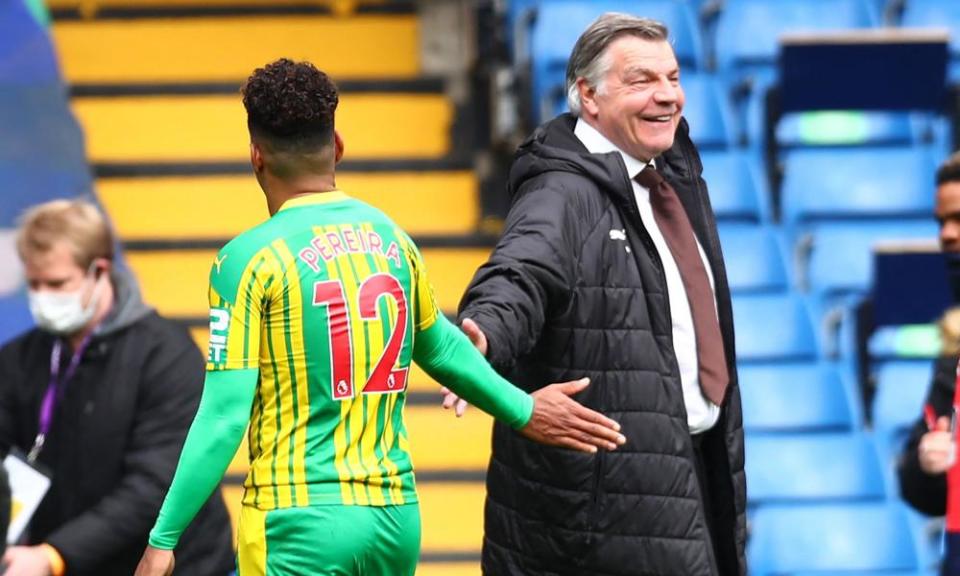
(714, 241)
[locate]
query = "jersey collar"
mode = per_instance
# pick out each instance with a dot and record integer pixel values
(314, 198)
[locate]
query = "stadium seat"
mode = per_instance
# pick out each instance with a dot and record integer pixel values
(901, 389)
(833, 183)
(766, 21)
(844, 127)
(747, 60)
(773, 327)
(836, 257)
(796, 397)
(912, 341)
(810, 467)
(857, 539)
(738, 188)
(707, 110)
(753, 258)
(559, 23)
(937, 14)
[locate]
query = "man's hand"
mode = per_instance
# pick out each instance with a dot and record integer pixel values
(936, 448)
(479, 340)
(26, 561)
(558, 420)
(475, 334)
(155, 562)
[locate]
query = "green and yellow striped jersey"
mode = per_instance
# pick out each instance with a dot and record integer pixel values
(325, 299)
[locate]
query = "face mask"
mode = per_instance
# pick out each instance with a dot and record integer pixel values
(63, 313)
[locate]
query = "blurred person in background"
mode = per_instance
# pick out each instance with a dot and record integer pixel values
(929, 481)
(99, 396)
(315, 317)
(610, 265)
(5, 511)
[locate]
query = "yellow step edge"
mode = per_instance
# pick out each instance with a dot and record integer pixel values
(438, 440)
(175, 281)
(224, 206)
(223, 49)
(448, 569)
(214, 128)
(451, 515)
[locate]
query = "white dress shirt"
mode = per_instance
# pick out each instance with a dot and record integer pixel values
(701, 413)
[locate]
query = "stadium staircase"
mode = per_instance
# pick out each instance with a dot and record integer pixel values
(154, 85)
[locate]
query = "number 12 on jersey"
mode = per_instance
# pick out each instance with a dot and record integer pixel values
(384, 379)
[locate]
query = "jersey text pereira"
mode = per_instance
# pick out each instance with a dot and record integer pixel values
(346, 240)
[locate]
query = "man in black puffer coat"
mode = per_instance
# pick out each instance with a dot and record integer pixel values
(582, 284)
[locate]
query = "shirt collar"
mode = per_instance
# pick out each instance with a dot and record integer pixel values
(597, 143)
(315, 198)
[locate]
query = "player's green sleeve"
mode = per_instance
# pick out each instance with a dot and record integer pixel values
(213, 440)
(448, 356)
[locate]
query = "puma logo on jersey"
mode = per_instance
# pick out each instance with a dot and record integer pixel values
(618, 234)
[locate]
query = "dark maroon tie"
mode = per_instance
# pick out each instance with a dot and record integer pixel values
(678, 233)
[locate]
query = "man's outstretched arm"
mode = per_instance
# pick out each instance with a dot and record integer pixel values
(548, 416)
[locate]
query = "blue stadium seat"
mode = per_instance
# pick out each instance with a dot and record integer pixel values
(796, 397)
(836, 257)
(559, 23)
(914, 341)
(707, 110)
(849, 538)
(749, 58)
(753, 258)
(773, 327)
(748, 31)
(838, 127)
(738, 188)
(901, 390)
(812, 467)
(844, 127)
(832, 183)
(937, 14)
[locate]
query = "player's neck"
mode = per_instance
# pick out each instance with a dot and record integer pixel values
(282, 191)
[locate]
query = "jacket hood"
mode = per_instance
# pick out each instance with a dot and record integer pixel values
(553, 147)
(128, 306)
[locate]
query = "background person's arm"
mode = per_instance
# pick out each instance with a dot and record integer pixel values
(212, 442)
(927, 493)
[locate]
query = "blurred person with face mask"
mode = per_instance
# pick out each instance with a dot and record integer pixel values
(98, 397)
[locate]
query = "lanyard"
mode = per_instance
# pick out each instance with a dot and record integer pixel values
(55, 392)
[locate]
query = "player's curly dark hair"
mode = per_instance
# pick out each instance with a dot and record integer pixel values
(291, 104)
(949, 171)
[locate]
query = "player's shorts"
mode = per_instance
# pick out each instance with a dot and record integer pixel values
(329, 541)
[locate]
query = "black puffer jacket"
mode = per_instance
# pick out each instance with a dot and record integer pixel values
(115, 440)
(4, 509)
(565, 295)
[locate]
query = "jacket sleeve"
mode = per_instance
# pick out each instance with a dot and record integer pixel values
(530, 274)
(926, 493)
(8, 399)
(170, 388)
(4, 508)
